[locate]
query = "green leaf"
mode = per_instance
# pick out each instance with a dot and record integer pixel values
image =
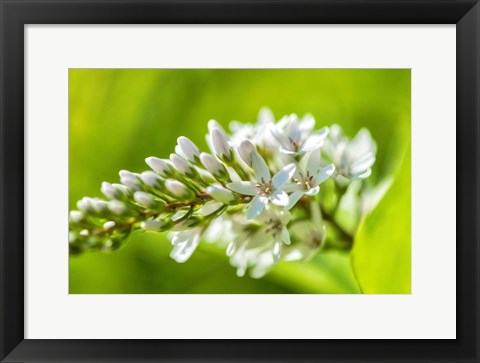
(381, 256)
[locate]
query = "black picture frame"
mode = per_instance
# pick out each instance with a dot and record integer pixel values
(15, 14)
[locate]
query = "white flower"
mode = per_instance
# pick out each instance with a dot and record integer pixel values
(259, 245)
(219, 230)
(258, 133)
(266, 189)
(184, 243)
(307, 179)
(294, 136)
(266, 166)
(311, 232)
(276, 225)
(354, 158)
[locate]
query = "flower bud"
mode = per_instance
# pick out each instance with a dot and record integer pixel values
(144, 199)
(212, 124)
(216, 168)
(84, 233)
(178, 189)
(221, 194)
(231, 248)
(155, 225)
(100, 206)
(114, 191)
(160, 166)
(86, 205)
(246, 149)
(76, 216)
(109, 225)
(72, 237)
(152, 180)
(220, 145)
(189, 149)
(130, 180)
(182, 165)
(117, 207)
(276, 251)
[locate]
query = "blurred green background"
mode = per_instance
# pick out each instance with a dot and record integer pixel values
(118, 117)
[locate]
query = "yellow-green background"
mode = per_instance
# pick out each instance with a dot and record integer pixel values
(119, 117)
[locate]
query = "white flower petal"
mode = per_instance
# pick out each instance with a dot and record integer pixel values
(307, 124)
(276, 251)
(287, 151)
(279, 136)
(362, 143)
(280, 198)
(312, 191)
(290, 187)
(260, 168)
(243, 187)
(324, 173)
(293, 128)
(231, 248)
(284, 175)
(286, 236)
(265, 116)
(310, 145)
(256, 206)
(241, 270)
(181, 252)
(294, 198)
(313, 163)
(315, 140)
(362, 164)
(364, 175)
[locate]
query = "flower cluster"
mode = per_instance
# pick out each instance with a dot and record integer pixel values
(257, 192)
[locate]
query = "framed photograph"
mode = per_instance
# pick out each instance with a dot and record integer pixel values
(240, 181)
